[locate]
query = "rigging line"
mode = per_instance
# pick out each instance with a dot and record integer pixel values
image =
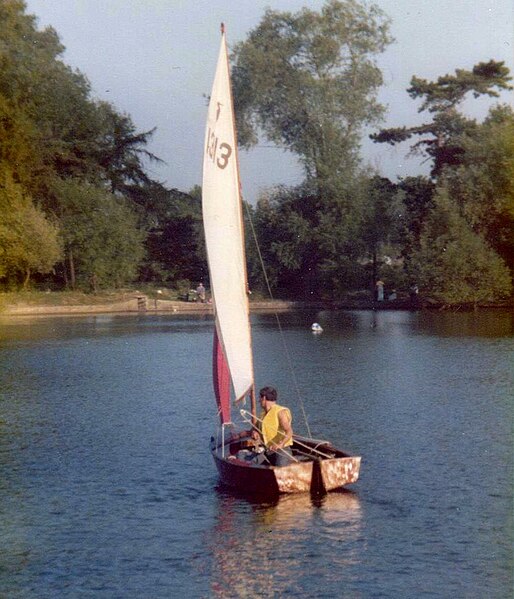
(279, 324)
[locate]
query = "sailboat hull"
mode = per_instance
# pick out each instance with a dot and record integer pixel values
(317, 475)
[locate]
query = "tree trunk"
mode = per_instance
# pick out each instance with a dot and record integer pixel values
(72, 269)
(65, 274)
(94, 283)
(26, 279)
(374, 272)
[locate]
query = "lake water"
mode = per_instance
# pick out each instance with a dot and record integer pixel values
(108, 490)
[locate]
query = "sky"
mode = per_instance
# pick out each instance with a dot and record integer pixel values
(155, 60)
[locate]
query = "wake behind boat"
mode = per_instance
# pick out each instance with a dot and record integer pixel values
(316, 465)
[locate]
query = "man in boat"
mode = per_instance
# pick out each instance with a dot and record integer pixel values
(275, 429)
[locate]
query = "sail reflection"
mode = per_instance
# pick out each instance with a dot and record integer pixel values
(265, 548)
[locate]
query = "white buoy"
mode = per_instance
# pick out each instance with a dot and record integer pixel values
(316, 328)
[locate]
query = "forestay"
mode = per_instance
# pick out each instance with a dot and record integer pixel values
(224, 235)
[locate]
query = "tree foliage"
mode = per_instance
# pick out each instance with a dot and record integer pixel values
(482, 186)
(310, 248)
(29, 242)
(121, 151)
(77, 204)
(458, 227)
(103, 245)
(74, 157)
(309, 81)
(455, 264)
(176, 245)
(438, 138)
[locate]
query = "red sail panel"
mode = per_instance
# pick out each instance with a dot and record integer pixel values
(221, 380)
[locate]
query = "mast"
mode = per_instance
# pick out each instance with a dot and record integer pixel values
(224, 231)
(253, 402)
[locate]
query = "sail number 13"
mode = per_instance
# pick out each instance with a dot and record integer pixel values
(219, 153)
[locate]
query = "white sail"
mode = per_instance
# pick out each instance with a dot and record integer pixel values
(223, 225)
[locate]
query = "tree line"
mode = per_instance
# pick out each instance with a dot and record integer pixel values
(79, 210)
(308, 82)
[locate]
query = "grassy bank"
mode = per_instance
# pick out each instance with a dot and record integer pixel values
(162, 300)
(62, 298)
(40, 302)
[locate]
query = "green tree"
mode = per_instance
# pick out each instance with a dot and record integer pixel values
(51, 130)
(310, 249)
(29, 242)
(121, 151)
(471, 191)
(104, 247)
(455, 264)
(482, 186)
(438, 138)
(415, 195)
(40, 93)
(282, 222)
(382, 220)
(309, 81)
(175, 243)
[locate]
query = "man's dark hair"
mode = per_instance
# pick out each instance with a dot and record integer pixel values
(270, 393)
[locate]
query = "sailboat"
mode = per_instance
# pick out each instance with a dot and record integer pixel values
(317, 466)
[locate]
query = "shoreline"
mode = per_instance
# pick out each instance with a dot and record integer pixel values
(142, 304)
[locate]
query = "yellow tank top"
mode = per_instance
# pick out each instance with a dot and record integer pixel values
(272, 432)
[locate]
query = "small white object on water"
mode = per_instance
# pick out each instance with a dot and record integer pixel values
(316, 328)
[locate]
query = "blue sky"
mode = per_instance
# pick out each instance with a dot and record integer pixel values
(155, 60)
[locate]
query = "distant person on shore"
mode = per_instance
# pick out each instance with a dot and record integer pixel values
(380, 290)
(413, 294)
(275, 428)
(392, 295)
(200, 293)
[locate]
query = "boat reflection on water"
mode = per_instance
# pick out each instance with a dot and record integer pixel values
(265, 547)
